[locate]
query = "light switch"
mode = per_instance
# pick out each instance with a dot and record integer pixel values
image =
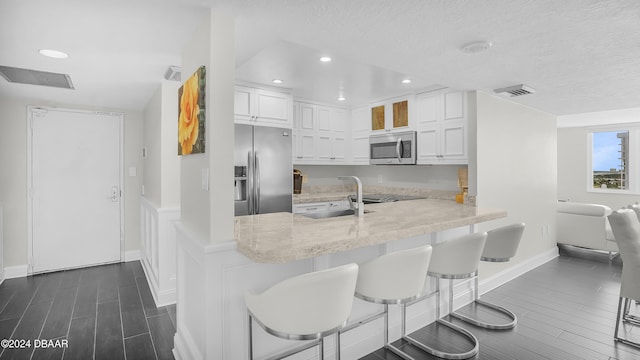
(133, 171)
(205, 179)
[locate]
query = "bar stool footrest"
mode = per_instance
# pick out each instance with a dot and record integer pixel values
(486, 325)
(444, 354)
(628, 342)
(398, 352)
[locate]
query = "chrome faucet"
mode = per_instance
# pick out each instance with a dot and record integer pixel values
(358, 207)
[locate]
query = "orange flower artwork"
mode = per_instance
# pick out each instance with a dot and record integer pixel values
(191, 114)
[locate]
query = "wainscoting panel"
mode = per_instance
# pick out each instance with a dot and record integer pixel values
(158, 250)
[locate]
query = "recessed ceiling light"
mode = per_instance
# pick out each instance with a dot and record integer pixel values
(342, 98)
(406, 81)
(53, 54)
(277, 81)
(325, 59)
(476, 47)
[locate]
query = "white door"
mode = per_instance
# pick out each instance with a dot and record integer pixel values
(76, 193)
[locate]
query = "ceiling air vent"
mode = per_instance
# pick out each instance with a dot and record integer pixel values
(173, 73)
(35, 77)
(516, 90)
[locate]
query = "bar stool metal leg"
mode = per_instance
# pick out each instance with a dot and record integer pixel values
(462, 331)
(482, 324)
(250, 328)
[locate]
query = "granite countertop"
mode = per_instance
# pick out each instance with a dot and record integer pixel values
(286, 237)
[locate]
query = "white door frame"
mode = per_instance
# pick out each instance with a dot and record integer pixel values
(31, 109)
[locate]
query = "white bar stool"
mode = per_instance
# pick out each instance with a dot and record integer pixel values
(306, 307)
(626, 230)
(454, 259)
(395, 278)
(502, 244)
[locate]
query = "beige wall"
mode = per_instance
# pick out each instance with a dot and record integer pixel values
(573, 168)
(13, 176)
(515, 170)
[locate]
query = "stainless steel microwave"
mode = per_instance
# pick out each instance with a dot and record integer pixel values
(394, 148)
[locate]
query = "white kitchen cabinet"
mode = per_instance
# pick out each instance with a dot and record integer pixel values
(331, 136)
(256, 106)
(320, 134)
(304, 134)
(442, 127)
(305, 124)
(392, 115)
(361, 130)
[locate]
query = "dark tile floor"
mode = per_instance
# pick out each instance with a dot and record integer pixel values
(566, 311)
(102, 312)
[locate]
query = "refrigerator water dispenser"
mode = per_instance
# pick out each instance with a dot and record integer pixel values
(240, 183)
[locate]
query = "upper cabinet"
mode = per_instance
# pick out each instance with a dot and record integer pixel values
(361, 130)
(320, 134)
(442, 127)
(392, 115)
(255, 106)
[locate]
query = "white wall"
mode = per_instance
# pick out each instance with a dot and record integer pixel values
(206, 216)
(152, 164)
(162, 164)
(516, 171)
(170, 173)
(209, 214)
(437, 177)
(573, 169)
(13, 176)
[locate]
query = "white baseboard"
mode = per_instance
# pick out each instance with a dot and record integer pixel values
(184, 347)
(161, 298)
(511, 273)
(12, 272)
(131, 255)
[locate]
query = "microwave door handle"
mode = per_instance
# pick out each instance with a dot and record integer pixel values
(398, 150)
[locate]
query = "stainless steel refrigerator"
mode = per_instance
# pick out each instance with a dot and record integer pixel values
(263, 170)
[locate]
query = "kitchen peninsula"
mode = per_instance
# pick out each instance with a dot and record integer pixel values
(284, 237)
(272, 247)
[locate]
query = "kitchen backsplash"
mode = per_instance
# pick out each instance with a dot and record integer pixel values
(334, 192)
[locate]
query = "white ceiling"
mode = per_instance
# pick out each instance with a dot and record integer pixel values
(579, 55)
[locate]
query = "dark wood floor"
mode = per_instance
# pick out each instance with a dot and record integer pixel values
(104, 312)
(566, 310)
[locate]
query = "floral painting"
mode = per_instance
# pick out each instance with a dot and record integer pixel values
(191, 113)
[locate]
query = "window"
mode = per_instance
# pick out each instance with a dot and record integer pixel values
(610, 156)
(611, 160)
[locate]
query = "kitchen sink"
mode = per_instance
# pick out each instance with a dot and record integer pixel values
(330, 213)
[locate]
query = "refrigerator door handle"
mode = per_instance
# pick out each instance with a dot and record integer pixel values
(257, 181)
(250, 179)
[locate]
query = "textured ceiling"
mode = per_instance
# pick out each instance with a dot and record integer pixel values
(579, 55)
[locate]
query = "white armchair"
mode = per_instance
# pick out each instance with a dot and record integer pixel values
(585, 225)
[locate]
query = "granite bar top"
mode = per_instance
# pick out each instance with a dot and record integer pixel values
(286, 237)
